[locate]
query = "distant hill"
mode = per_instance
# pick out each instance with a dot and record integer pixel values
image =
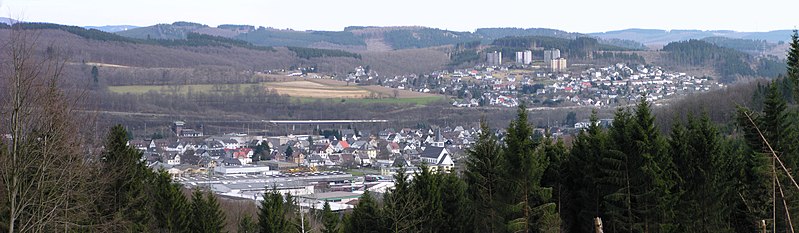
(662, 37)
(8, 21)
(112, 28)
(275, 37)
(729, 63)
(744, 45)
(355, 38)
(201, 50)
(174, 31)
(496, 33)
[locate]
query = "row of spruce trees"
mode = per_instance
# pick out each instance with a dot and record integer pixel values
(141, 200)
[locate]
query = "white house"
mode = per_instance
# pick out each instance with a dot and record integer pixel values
(438, 159)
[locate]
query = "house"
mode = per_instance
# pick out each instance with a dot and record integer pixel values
(138, 144)
(243, 154)
(171, 158)
(177, 146)
(394, 138)
(315, 160)
(159, 166)
(340, 145)
(230, 144)
(190, 133)
(363, 160)
(369, 151)
(437, 159)
(358, 144)
(212, 145)
(393, 148)
(159, 143)
(298, 157)
(231, 162)
(322, 149)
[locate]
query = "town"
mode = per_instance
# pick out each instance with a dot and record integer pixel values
(334, 167)
(550, 82)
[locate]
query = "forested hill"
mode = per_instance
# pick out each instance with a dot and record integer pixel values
(744, 45)
(354, 38)
(497, 33)
(657, 36)
(203, 50)
(728, 63)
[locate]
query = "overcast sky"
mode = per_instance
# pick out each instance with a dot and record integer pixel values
(464, 15)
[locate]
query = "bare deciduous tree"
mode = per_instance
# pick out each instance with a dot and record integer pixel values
(47, 181)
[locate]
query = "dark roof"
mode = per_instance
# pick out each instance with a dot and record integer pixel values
(230, 141)
(232, 161)
(400, 161)
(432, 152)
(440, 161)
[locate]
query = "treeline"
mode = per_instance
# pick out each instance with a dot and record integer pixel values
(274, 37)
(581, 47)
(192, 39)
(618, 57)
(309, 53)
(739, 44)
(631, 176)
(520, 32)
(729, 63)
(425, 37)
(138, 199)
(464, 57)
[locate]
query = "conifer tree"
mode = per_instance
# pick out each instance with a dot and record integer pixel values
(704, 186)
(170, 207)
(402, 208)
(555, 175)
(206, 216)
(655, 202)
(641, 173)
(584, 178)
(127, 202)
(272, 214)
(247, 225)
(793, 63)
(425, 187)
(618, 173)
(523, 172)
(483, 178)
(365, 216)
(454, 205)
(329, 220)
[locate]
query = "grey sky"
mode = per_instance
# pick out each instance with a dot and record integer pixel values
(463, 15)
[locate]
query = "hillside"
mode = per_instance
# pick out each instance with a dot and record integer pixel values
(356, 38)
(730, 64)
(496, 33)
(112, 28)
(662, 37)
(274, 37)
(199, 50)
(175, 31)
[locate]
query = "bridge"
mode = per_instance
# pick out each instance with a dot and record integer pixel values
(321, 122)
(317, 123)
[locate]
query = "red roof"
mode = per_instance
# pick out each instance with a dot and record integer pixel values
(344, 144)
